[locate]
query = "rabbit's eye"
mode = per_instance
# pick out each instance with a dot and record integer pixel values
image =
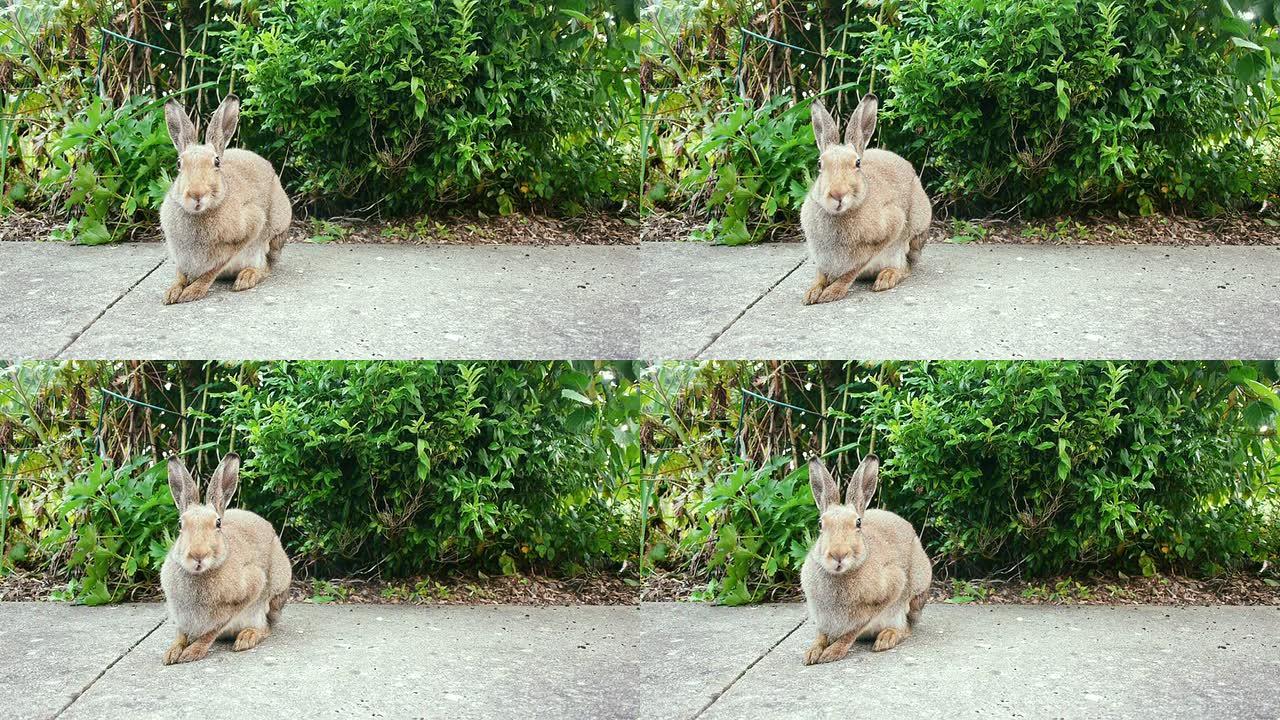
(858, 523)
(857, 163)
(218, 523)
(217, 162)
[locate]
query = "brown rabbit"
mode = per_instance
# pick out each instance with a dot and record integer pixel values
(867, 214)
(227, 574)
(226, 214)
(867, 575)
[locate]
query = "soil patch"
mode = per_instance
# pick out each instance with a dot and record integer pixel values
(1235, 589)
(1244, 229)
(478, 589)
(473, 229)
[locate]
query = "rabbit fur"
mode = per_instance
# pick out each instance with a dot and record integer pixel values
(867, 575)
(866, 215)
(226, 215)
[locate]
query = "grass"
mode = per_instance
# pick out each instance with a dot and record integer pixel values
(323, 591)
(965, 231)
(323, 231)
(965, 591)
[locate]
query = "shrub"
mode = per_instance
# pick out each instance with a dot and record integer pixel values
(397, 104)
(1026, 468)
(111, 166)
(390, 468)
(758, 163)
(408, 467)
(1097, 106)
(1095, 103)
(116, 527)
(758, 523)
(1057, 467)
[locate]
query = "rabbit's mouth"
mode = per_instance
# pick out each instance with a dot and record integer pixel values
(198, 566)
(198, 206)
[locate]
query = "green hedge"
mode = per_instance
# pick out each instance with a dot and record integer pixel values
(1057, 467)
(1026, 468)
(383, 108)
(380, 468)
(1009, 107)
(406, 104)
(405, 467)
(1094, 103)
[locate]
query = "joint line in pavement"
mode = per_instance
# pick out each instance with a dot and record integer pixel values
(750, 305)
(110, 305)
(98, 677)
(738, 677)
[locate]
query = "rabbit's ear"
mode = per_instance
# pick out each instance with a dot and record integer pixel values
(825, 130)
(863, 123)
(182, 485)
(824, 487)
(862, 486)
(222, 486)
(223, 124)
(181, 131)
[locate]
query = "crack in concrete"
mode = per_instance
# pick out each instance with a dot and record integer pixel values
(745, 670)
(112, 664)
(750, 305)
(110, 305)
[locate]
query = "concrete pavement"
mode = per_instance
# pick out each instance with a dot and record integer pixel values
(981, 301)
(654, 301)
(324, 301)
(324, 661)
(1003, 661)
(661, 661)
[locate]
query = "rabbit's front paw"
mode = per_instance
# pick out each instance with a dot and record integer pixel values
(173, 293)
(193, 652)
(192, 292)
(833, 652)
(812, 295)
(248, 278)
(174, 652)
(812, 655)
(888, 639)
(834, 292)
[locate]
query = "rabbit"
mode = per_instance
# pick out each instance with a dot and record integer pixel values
(867, 575)
(226, 214)
(866, 215)
(227, 575)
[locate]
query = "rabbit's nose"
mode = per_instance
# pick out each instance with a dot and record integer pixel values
(836, 196)
(839, 556)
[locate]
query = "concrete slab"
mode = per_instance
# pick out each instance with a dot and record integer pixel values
(1008, 301)
(1033, 662)
(658, 301)
(692, 652)
(50, 292)
(51, 652)
(387, 301)
(692, 292)
(391, 661)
